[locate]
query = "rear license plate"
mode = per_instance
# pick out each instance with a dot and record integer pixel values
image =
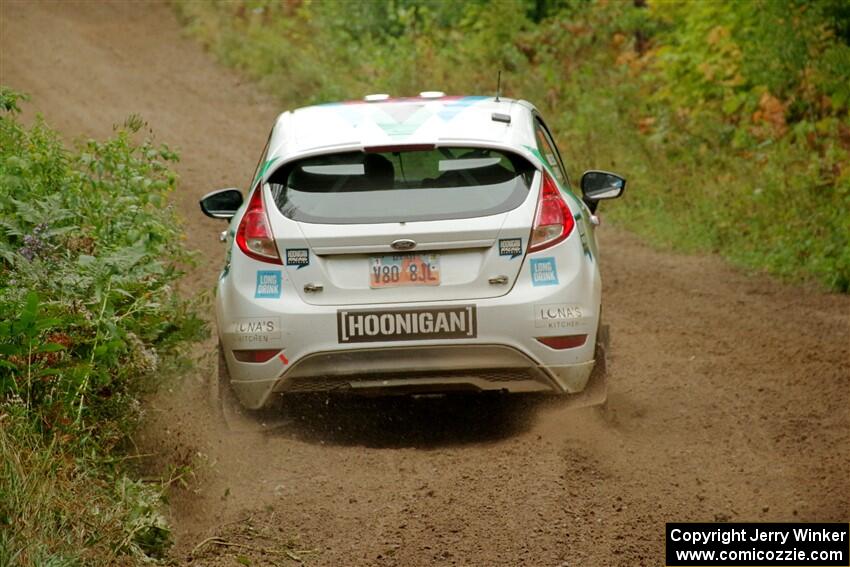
(398, 270)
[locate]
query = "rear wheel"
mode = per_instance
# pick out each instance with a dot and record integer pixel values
(597, 385)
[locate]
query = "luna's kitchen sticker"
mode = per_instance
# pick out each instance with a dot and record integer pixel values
(256, 330)
(558, 316)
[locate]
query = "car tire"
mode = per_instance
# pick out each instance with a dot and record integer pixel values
(597, 385)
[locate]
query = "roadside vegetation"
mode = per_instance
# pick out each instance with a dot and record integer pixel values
(89, 323)
(730, 119)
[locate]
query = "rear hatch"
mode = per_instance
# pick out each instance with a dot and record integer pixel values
(407, 224)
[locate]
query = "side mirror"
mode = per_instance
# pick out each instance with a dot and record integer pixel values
(599, 185)
(221, 204)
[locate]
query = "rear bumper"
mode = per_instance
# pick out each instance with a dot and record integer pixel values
(417, 369)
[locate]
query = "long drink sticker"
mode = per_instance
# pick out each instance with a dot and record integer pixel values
(544, 271)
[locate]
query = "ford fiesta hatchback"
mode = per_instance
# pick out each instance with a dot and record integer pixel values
(410, 245)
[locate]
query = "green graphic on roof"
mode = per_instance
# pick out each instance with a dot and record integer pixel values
(401, 119)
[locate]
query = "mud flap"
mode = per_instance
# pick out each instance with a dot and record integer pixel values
(595, 393)
(225, 405)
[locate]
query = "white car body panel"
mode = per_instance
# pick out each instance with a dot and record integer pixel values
(307, 327)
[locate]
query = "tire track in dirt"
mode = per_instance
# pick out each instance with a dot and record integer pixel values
(729, 394)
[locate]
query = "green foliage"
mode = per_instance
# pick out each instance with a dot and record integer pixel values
(729, 118)
(741, 76)
(89, 321)
(88, 261)
(9, 100)
(751, 99)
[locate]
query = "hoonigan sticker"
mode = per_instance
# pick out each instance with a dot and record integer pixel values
(297, 257)
(510, 247)
(372, 325)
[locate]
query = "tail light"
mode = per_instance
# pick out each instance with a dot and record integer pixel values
(553, 221)
(254, 235)
(263, 355)
(562, 342)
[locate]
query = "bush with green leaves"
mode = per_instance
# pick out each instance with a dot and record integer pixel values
(89, 256)
(90, 320)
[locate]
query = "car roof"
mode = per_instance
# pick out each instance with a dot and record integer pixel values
(430, 119)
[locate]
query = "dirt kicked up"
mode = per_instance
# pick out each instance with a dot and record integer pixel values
(729, 394)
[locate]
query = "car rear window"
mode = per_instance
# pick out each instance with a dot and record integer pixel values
(408, 184)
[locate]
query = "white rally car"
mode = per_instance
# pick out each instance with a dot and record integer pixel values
(411, 245)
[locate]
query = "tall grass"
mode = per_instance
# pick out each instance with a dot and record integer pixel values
(58, 507)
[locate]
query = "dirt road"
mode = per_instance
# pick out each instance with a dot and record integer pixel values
(729, 394)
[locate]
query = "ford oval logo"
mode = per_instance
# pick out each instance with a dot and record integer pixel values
(403, 244)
